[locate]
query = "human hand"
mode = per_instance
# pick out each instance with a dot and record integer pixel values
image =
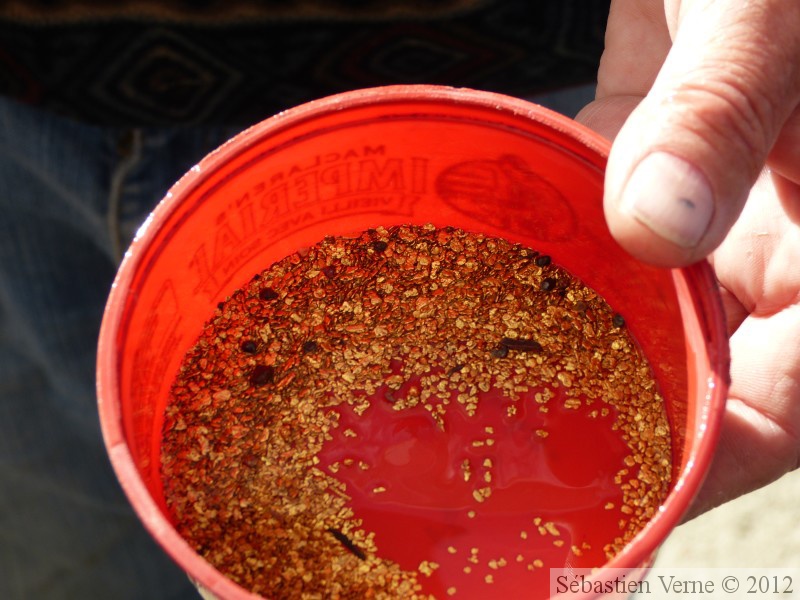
(702, 99)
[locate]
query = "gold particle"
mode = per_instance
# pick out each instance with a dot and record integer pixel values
(427, 567)
(466, 469)
(551, 528)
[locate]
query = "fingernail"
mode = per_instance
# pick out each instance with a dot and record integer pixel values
(670, 197)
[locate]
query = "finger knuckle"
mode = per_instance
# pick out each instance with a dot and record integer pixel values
(726, 108)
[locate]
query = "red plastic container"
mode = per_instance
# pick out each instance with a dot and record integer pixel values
(409, 154)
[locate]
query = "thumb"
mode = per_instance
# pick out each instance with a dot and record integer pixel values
(682, 165)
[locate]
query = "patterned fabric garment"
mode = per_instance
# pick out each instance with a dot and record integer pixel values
(139, 63)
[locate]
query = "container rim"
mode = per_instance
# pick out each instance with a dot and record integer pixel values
(698, 280)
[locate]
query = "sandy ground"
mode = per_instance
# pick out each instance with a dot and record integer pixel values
(761, 529)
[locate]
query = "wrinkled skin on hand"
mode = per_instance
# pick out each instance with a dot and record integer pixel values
(716, 83)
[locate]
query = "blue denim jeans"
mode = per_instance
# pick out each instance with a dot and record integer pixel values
(71, 197)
